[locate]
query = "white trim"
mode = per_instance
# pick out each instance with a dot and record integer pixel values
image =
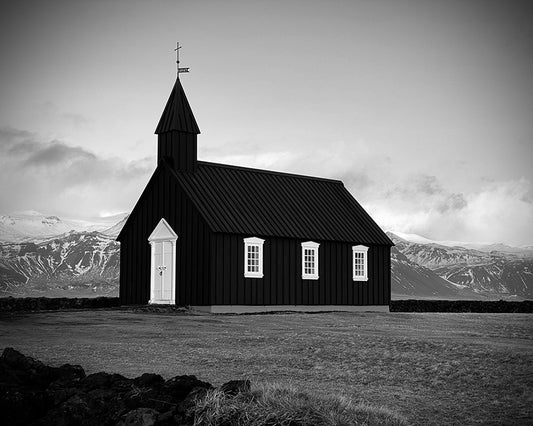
(243, 309)
(162, 233)
(310, 245)
(364, 251)
(253, 242)
(152, 276)
(173, 285)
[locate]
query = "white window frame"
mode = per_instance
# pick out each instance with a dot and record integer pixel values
(310, 245)
(248, 243)
(364, 251)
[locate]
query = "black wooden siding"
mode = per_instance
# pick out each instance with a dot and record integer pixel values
(179, 149)
(282, 283)
(164, 198)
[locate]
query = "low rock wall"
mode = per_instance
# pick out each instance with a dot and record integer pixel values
(481, 306)
(13, 304)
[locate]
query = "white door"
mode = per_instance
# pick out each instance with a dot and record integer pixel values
(163, 264)
(166, 271)
(162, 272)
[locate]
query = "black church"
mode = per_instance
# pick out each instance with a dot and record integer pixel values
(223, 238)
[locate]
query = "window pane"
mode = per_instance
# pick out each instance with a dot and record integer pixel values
(252, 258)
(359, 264)
(309, 261)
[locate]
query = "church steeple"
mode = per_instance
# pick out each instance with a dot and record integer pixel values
(177, 115)
(177, 130)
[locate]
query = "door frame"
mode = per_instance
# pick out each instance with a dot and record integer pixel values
(163, 232)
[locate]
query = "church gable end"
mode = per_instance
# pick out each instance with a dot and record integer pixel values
(164, 199)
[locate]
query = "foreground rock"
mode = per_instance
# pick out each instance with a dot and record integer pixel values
(34, 393)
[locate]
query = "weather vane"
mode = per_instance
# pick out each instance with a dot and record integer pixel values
(177, 49)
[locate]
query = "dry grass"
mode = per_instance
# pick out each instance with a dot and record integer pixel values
(283, 405)
(431, 368)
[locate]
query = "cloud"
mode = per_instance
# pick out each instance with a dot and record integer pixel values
(15, 142)
(336, 160)
(76, 120)
(453, 202)
(54, 176)
(57, 153)
(50, 112)
(501, 212)
(426, 184)
(496, 212)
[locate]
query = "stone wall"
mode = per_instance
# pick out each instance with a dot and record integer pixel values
(499, 306)
(13, 304)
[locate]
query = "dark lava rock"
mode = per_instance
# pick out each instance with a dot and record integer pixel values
(139, 417)
(166, 418)
(24, 383)
(22, 370)
(73, 411)
(149, 398)
(148, 380)
(16, 360)
(106, 380)
(180, 386)
(21, 406)
(32, 393)
(233, 387)
(68, 372)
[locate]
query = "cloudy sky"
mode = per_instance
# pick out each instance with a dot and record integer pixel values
(424, 108)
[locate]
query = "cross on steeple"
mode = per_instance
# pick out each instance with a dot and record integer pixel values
(177, 50)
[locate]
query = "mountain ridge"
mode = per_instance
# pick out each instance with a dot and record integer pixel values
(484, 247)
(486, 274)
(76, 263)
(34, 226)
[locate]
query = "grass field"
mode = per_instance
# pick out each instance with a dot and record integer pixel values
(431, 368)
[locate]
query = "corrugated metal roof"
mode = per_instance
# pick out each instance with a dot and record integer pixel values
(248, 201)
(177, 114)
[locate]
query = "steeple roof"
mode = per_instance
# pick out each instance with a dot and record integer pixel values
(177, 114)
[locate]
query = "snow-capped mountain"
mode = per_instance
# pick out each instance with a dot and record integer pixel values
(525, 251)
(44, 255)
(490, 273)
(33, 226)
(75, 264)
(114, 230)
(410, 280)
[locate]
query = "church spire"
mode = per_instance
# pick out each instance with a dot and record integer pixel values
(177, 114)
(177, 129)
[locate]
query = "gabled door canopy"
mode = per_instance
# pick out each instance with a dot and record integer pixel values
(163, 232)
